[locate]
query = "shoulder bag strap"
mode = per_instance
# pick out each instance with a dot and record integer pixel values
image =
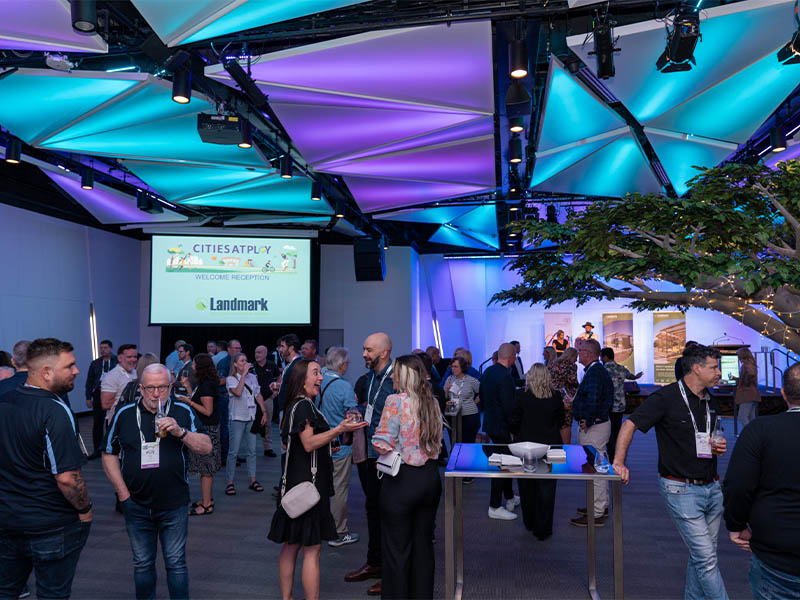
(322, 393)
(288, 448)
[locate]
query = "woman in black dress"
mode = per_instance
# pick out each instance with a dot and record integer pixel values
(560, 343)
(537, 417)
(310, 432)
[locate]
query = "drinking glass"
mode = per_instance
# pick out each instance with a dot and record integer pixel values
(529, 463)
(601, 462)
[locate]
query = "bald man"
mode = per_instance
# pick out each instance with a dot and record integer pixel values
(498, 396)
(377, 355)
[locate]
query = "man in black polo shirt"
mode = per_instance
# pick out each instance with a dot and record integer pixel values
(762, 491)
(266, 372)
(45, 512)
(684, 416)
(152, 483)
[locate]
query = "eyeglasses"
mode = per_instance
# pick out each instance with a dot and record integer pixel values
(155, 388)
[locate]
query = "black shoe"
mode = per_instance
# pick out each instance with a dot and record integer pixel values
(270, 453)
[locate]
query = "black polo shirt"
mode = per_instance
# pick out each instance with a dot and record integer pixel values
(266, 375)
(162, 488)
(38, 440)
(677, 453)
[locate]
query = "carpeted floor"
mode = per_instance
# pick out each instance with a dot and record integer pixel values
(230, 557)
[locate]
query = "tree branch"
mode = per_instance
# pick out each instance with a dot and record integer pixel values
(783, 250)
(624, 252)
(790, 218)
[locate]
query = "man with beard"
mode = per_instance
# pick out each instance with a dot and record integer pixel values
(45, 514)
(288, 346)
(377, 357)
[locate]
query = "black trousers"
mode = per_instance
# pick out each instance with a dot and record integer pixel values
(616, 424)
(538, 501)
(470, 425)
(98, 423)
(500, 487)
(408, 506)
(368, 475)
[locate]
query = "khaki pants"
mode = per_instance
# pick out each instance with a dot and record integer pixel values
(597, 436)
(342, 469)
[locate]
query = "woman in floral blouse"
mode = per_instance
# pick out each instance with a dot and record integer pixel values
(564, 374)
(411, 424)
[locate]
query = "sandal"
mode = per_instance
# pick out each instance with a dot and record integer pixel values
(207, 510)
(230, 490)
(200, 503)
(256, 487)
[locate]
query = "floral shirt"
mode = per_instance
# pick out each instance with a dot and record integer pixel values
(399, 430)
(564, 376)
(619, 374)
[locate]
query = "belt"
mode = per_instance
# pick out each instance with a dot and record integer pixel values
(691, 481)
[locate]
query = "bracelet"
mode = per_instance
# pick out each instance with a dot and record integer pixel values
(85, 510)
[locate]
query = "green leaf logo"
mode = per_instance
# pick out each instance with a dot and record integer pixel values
(201, 304)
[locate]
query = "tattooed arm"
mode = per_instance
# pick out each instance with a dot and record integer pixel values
(73, 487)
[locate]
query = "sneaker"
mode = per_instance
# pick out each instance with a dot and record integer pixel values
(348, 538)
(502, 514)
(513, 503)
(582, 511)
(270, 453)
(25, 593)
(584, 521)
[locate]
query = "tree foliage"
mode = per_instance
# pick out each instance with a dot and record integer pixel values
(732, 245)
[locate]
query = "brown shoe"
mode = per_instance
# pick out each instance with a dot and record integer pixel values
(584, 521)
(364, 573)
(582, 511)
(375, 589)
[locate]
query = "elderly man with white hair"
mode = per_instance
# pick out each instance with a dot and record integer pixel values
(144, 457)
(336, 397)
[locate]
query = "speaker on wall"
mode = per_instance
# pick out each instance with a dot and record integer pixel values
(369, 259)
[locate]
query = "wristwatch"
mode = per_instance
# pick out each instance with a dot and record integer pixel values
(184, 434)
(85, 510)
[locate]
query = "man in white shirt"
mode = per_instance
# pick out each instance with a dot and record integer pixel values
(117, 378)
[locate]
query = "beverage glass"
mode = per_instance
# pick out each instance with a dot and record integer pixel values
(161, 433)
(529, 463)
(601, 462)
(719, 433)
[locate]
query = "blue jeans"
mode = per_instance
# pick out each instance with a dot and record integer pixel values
(53, 555)
(145, 527)
(697, 512)
(770, 584)
(240, 431)
(222, 409)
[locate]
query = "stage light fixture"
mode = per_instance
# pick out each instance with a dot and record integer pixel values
(182, 86)
(790, 53)
(515, 150)
(518, 58)
(147, 203)
(84, 16)
(87, 179)
(681, 41)
(517, 94)
(316, 190)
(13, 151)
(339, 214)
(286, 166)
(604, 48)
(552, 213)
(517, 125)
(777, 139)
(247, 135)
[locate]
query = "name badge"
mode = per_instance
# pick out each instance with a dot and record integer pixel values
(368, 413)
(150, 455)
(703, 444)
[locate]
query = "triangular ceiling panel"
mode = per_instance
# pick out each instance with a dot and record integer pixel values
(434, 214)
(571, 112)
(37, 102)
(107, 205)
(679, 154)
(451, 236)
(178, 22)
(481, 220)
(377, 194)
(178, 181)
(553, 161)
(43, 25)
(615, 169)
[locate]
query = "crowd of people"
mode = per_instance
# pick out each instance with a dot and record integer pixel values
(153, 422)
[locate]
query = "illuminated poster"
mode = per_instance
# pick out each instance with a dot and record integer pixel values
(555, 322)
(618, 335)
(669, 338)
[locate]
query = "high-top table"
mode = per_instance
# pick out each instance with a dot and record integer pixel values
(472, 460)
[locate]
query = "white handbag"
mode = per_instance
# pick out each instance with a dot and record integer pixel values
(304, 495)
(389, 463)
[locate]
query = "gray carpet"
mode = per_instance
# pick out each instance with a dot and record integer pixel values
(229, 555)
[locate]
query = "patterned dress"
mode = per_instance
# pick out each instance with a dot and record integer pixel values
(564, 377)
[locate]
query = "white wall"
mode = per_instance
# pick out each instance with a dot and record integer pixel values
(364, 307)
(49, 270)
(460, 291)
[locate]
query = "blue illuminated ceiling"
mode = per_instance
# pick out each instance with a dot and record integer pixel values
(43, 25)
(178, 22)
(469, 226)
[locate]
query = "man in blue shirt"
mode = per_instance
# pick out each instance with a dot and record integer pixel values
(173, 358)
(377, 357)
(223, 370)
(335, 399)
(591, 407)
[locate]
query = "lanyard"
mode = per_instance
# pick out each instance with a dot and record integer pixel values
(380, 386)
(691, 414)
(139, 420)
